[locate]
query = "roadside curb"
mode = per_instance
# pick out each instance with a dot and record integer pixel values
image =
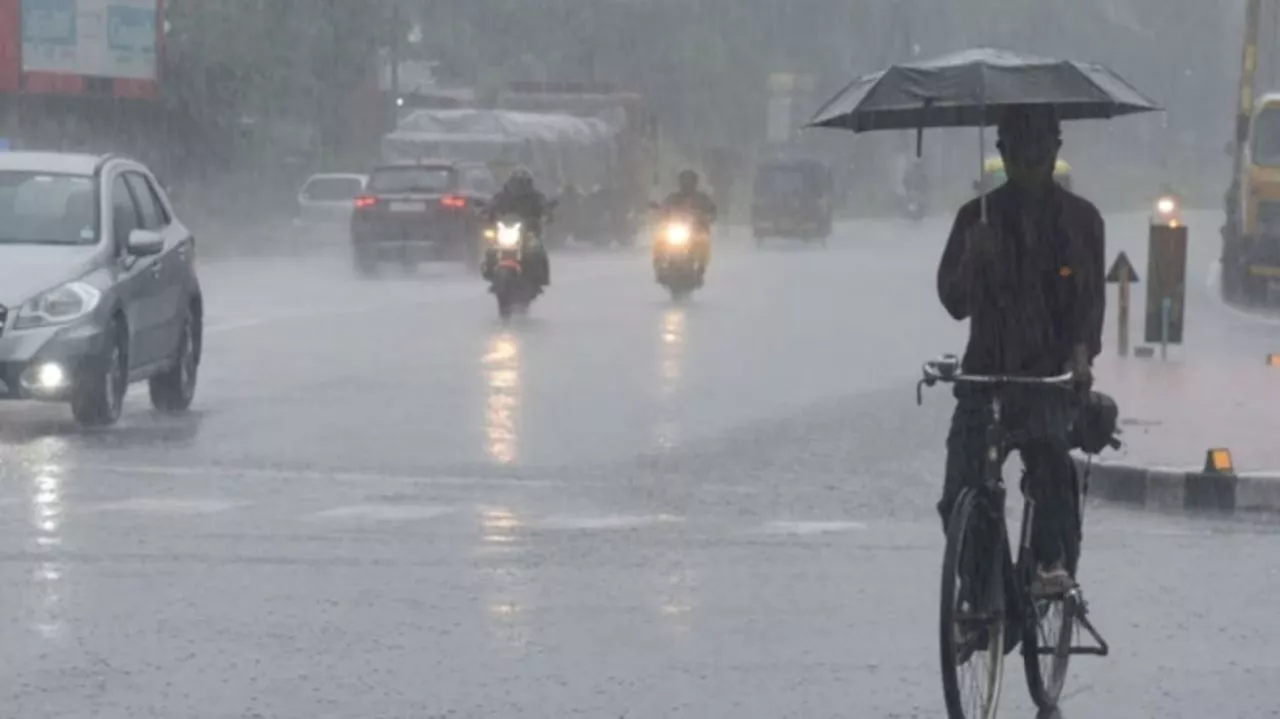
(1169, 489)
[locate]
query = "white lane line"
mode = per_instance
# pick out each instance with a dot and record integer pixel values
(804, 528)
(383, 512)
(313, 475)
(604, 522)
(155, 505)
(234, 325)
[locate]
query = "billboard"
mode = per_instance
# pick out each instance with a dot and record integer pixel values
(90, 38)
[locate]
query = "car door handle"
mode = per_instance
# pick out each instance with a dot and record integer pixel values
(156, 268)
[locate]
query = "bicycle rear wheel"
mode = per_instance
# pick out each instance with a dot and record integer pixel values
(1046, 647)
(972, 626)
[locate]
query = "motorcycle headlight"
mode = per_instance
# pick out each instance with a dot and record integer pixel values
(1166, 205)
(58, 306)
(678, 234)
(508, 235)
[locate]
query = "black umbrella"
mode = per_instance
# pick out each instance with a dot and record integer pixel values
(972, 88)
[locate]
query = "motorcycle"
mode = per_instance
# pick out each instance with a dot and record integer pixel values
(507, 242)
(913, 207)
(678, 262)
(914, 185)
(1167, 210)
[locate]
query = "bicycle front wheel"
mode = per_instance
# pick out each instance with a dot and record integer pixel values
(972, 626)
(1046, 647)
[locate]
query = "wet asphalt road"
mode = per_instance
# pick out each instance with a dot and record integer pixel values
(388, 504)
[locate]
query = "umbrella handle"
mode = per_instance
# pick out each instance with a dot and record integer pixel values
(982, 148)
(982, 196)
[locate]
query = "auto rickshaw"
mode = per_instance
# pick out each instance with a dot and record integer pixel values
(993, 174)
(792, 198)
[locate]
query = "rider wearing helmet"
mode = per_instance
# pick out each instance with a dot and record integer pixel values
(694, 202)
(520, 197)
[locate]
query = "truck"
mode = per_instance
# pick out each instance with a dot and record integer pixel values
(633, 173)
(1250, 257)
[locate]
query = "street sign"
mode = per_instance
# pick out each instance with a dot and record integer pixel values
(1123, 274)
(1122, 270)
(1166, 284)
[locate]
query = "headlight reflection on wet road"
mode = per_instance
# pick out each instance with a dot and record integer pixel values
(671, 371)
(46, 520)
(502, 366)
(507, 582)
(46, 514)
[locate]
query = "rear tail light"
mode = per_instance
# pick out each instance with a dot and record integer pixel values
(453, 201)
(365, 202)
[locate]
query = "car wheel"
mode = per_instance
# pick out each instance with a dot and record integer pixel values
(173, 389)
(99, 394)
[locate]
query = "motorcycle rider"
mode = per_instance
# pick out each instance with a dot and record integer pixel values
(520, 197)
(691, 201)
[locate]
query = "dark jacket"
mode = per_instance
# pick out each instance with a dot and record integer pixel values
(697, 203)
(530, 206)
(1043, 291)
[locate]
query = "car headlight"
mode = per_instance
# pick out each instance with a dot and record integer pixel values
(61, 305)
(1166, 205)
(508, 235)
(678, 234)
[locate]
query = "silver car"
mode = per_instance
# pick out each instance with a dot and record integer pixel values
(98, 287)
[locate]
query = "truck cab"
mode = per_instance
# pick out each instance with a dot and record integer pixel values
(1252, 250)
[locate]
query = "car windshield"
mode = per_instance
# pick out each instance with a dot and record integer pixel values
(46, 209)
(1266, 142)
(412, 179)
(332, 189)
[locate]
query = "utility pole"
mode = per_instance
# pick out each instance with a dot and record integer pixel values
(393, 55)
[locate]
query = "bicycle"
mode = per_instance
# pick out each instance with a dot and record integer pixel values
(984, 594)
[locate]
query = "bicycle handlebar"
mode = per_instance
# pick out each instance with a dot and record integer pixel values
(947, 370)
(1057, 380)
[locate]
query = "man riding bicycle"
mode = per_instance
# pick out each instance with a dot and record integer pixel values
(1031, 282)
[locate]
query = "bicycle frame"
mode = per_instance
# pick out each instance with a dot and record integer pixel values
(1018, 576)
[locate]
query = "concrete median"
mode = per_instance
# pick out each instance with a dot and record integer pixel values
(1173, 415)
(1178, 490)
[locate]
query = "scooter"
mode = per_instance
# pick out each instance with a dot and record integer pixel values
(678, 262)
(1167, 210)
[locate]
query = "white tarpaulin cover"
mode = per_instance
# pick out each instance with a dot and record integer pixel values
(519, 125)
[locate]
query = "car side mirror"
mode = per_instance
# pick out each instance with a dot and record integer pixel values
(145, 243)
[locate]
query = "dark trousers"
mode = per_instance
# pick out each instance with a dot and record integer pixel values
(1042, 418)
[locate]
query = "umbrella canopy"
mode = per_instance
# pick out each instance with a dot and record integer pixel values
(972, 88)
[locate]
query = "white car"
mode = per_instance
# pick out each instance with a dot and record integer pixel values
(327, 200)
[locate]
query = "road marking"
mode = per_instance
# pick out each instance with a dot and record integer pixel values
(810, 528)
(314, 475)
(384, 512)
(604, 522)
(233, 325)
(154, 505)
